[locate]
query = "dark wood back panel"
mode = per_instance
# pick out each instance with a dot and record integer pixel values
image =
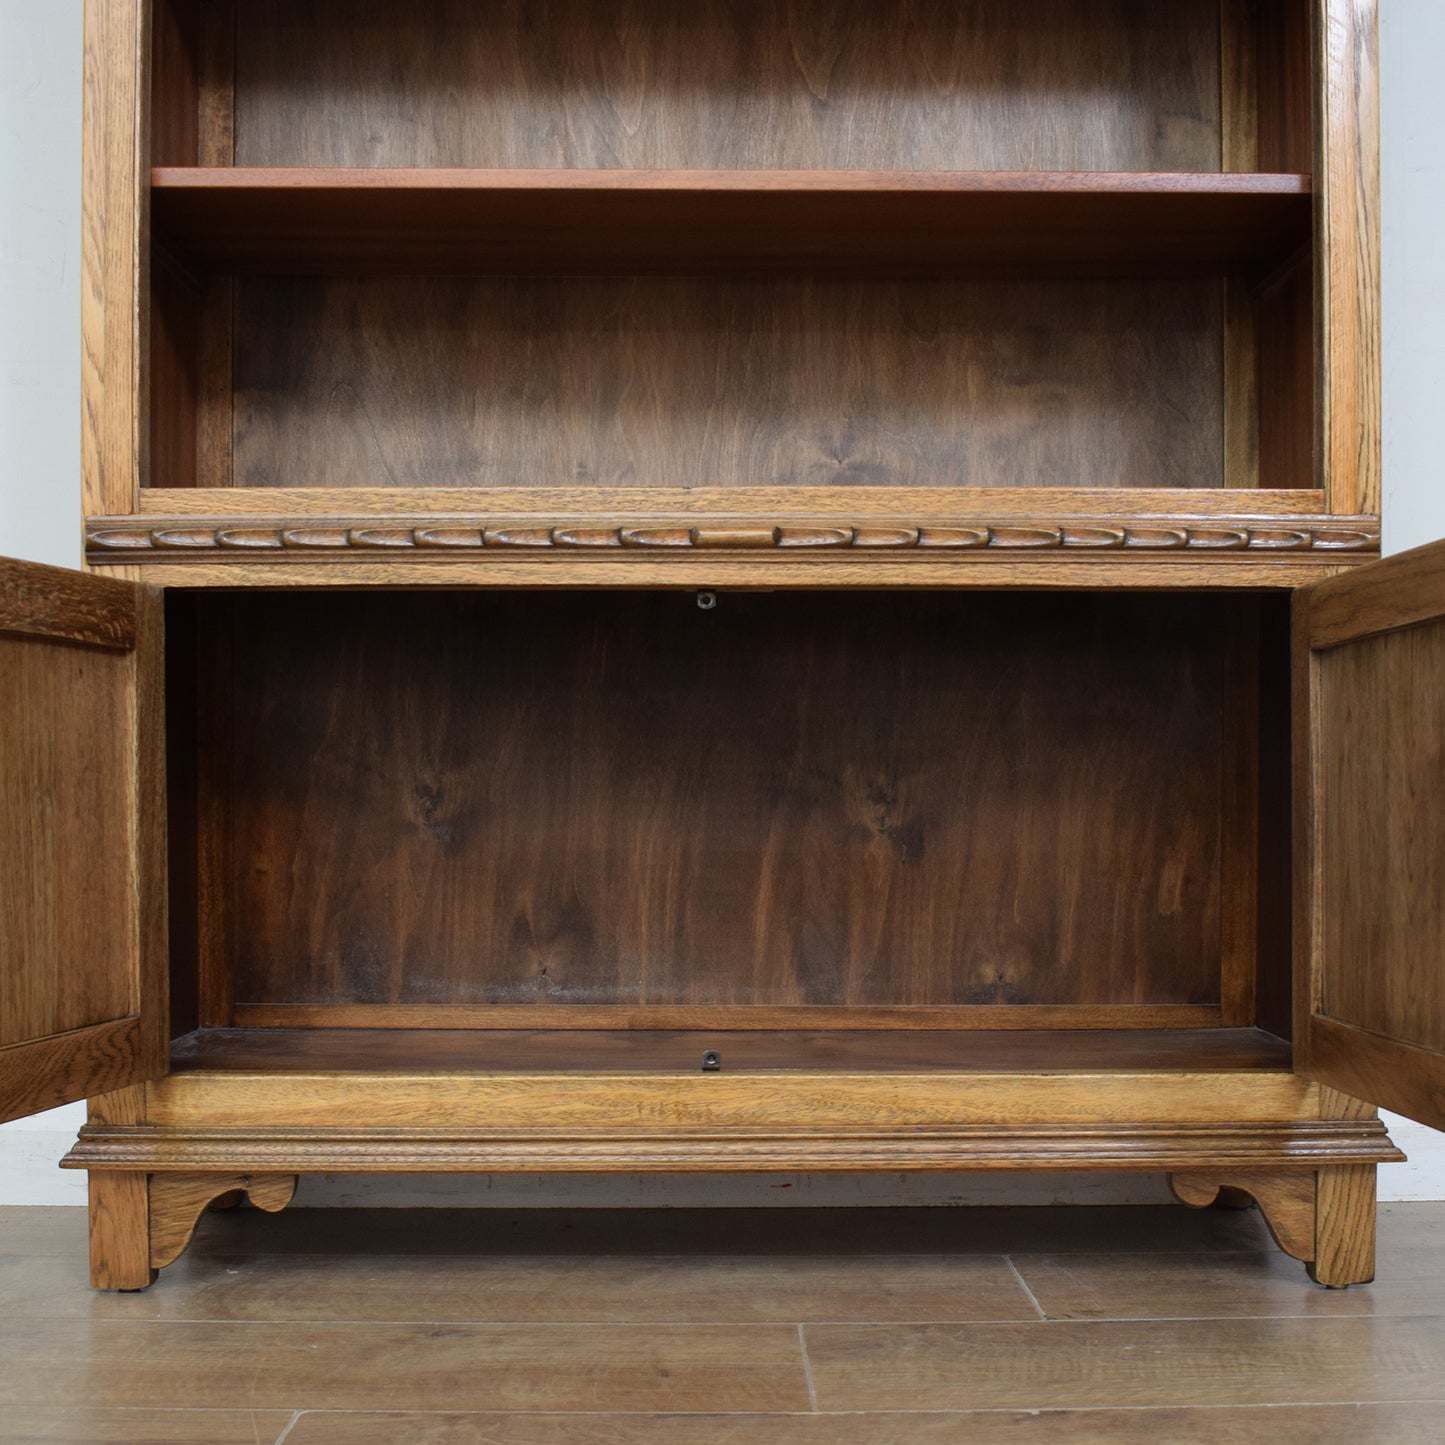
(885, 84)
(804, 799)
(679, 381)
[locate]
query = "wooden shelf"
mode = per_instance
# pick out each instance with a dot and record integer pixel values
(512, 1051)
(300, 220)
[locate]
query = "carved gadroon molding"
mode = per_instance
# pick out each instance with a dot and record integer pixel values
(123, 539)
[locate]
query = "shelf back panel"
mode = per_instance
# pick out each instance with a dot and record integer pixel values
(901, 84)
(626, 799)
(670, 382)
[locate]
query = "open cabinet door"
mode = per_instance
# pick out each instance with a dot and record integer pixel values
(82, 837)
(1370, 819)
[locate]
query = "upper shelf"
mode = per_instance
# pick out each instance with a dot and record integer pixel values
(299, 220)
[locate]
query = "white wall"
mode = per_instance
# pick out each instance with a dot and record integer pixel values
(40, 54)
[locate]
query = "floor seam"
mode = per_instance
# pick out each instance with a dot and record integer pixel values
(1023, 1285)
(808, 1370)
(290, 1426)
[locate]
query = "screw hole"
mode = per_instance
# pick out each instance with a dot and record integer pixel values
(707, 600)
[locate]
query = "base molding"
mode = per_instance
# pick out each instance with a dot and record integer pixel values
(1215, 1149)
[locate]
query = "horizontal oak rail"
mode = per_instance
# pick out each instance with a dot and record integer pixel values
(599, 504)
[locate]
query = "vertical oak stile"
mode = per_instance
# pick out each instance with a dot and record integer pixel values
(1306, 822)
(1347, 187)
(148, 782)
(113, 250)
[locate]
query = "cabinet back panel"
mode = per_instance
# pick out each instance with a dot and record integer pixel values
(1129, 85)
(791, 800)
(447, 382)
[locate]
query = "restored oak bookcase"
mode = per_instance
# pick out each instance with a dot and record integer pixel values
(758, 585)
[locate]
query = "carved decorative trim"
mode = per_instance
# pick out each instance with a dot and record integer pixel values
(177, 1202)
(122, 539)
(1287, 1201)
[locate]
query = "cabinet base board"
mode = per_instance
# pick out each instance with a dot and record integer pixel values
(1173, 1148)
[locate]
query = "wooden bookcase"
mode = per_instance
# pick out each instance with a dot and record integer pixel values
(764, 585)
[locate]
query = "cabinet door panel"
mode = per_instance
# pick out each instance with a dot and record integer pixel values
(82, 837)
(1370, 755)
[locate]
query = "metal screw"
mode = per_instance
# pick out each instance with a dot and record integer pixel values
(707, 600)
(711, 1061)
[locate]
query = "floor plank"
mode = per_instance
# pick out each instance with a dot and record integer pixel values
(1270, 1283)
(701, 1289)
(1166, 1325)
(100, 1426)
(402, 1367)
(1113, 1364)
(1308, 1425)
(55, 1230)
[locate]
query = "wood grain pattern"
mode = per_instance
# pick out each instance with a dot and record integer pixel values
(1382, 833)
(1399, 1076)
(1284, 362)
(1403, 591)
(1042, 572)
(1148, 1362)
(910, 84)
(1370, 1012)
(216, 83)
(103, 1425)
(119, 1231)
(630, 222)
(726, 1148)
(66, 844)
(1345, 1244)
(59, 1068)
(1401, 1424)
(790, 795)
(111, 261)
(82, 836)
(312, 1050)
(396, 1366)
(1286, 1200)
(147, 854)
(176, 1202)
(1286, 83)
(1265, 1117)
(1350, 172)
(1241, 820)
(656, 382)
(54, 602)
(545, 504)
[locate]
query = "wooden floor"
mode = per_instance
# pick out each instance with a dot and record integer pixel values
(751, 1327)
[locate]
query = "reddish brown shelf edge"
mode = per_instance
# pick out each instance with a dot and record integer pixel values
(285, 219)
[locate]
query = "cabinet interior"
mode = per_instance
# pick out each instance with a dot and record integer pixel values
(611, 825)
(730, 353)
(1081, 85)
